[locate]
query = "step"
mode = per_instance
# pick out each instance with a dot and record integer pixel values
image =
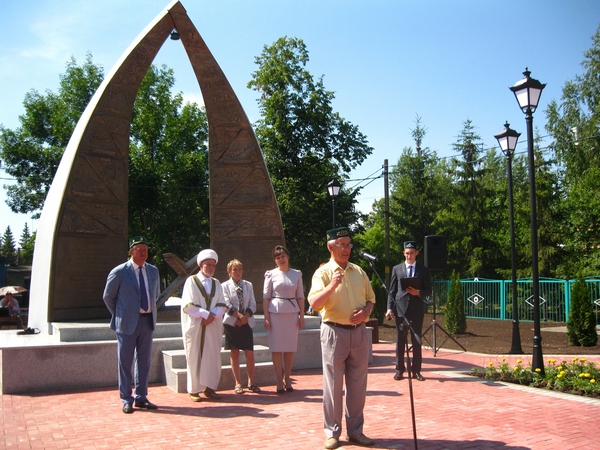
(99, 330)
(308, 356)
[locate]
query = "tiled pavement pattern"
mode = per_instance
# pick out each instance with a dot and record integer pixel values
(452, 411)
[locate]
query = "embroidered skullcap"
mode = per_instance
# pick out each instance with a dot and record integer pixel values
(337, 233)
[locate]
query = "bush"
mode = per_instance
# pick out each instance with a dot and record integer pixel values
(454, 317)
(581, 325)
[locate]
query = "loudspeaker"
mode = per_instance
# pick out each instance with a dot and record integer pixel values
(436, 252)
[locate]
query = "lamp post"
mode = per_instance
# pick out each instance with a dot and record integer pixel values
(507, 139)
(528, 92)
(333, 188)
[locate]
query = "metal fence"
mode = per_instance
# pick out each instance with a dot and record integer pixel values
(492, 299)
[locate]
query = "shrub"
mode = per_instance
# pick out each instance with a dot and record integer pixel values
(454, 316)
(581, 325)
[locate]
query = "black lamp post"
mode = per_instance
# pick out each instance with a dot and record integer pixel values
(508, 139)
(528, 92)
(333, 188)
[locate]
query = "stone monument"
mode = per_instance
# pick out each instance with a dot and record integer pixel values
(82, 232)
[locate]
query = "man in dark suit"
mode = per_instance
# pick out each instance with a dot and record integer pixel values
(131, 292)
(408, 303)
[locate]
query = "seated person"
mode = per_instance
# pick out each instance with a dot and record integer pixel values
(13, 307)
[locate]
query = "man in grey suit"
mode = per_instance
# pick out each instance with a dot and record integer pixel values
(131, 292)
(408, 303)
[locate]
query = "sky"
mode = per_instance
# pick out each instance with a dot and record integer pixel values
(387, 61)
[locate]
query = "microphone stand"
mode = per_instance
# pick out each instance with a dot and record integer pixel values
(404, 328)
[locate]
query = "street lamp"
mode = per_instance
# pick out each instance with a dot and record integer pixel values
(528, 92)
(507, 139)
(333, 188)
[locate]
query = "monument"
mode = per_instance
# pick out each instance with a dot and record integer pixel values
(82, 232)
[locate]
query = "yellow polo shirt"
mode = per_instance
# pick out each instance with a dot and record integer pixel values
(353, 292)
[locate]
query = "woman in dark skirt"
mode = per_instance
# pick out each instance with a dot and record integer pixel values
(238, 323)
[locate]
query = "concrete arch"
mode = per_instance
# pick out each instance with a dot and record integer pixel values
(82, 233)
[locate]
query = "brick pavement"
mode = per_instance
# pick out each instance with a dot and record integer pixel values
(452, 411)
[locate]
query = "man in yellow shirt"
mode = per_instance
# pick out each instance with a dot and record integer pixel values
(341, 291)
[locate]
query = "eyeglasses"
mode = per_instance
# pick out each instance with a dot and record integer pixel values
(344, 247)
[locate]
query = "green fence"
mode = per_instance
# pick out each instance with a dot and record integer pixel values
(492, 299)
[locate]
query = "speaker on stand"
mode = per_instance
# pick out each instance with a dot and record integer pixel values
(436, 259)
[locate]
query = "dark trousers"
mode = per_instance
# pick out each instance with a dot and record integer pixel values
(417, 325)
(136, 346)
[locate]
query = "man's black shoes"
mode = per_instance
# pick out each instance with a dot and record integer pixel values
(128, 408)
(398, 376)
(145, 405)
(418, 376)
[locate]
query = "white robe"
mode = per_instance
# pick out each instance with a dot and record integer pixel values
(202, 344)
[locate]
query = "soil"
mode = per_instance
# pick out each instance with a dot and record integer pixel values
(495, 337)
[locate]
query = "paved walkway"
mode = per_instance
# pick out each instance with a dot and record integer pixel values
(452, 411)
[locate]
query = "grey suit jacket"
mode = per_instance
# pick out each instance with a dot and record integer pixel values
(399, 300)
(232, 301)
(123, 299)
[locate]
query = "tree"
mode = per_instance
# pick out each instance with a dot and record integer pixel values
(415, 193)
(168, 165)
(27, 244)
(8, 249)
(468, 218)
(306, 144)
(32, 152)
(581, 327)
(23, 242)
(454, 313)
(168, 169)
(573, 123)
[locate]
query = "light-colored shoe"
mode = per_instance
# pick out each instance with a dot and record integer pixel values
(332, 443)
(195, 397)
(361, 439)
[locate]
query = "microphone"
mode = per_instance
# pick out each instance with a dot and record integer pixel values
(368, 257)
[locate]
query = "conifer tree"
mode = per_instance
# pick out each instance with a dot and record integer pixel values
(581, 327)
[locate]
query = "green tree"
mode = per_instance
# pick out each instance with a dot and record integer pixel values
(574, 122)
(32, 152)
(26, 250)
(8, 249)
(415, 193)
(454, 315)
(168, 169)
(581, 326)
(306, 144)
(25, 257)
(466, 220)
(168, 165)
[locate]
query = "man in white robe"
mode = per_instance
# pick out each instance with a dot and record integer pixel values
(202, 309)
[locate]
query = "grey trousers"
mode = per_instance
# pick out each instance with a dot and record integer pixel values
(345, 356)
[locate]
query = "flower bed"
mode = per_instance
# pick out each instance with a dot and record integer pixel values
(577, 377)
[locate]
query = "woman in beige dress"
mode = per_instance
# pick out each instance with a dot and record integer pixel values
(283, 307)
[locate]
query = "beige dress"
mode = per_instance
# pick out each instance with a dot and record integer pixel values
(282, 289)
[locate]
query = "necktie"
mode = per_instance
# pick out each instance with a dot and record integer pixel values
(143, 291)
(410, 271)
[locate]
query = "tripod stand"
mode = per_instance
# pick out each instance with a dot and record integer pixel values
(406, 327)
(433, 327)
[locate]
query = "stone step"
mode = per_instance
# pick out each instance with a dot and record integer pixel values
(308, 356)
(93, 331)
(264, 375)
(178, 361)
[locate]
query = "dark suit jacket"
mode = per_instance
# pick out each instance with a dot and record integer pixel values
(123, 299)
(400, 301)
